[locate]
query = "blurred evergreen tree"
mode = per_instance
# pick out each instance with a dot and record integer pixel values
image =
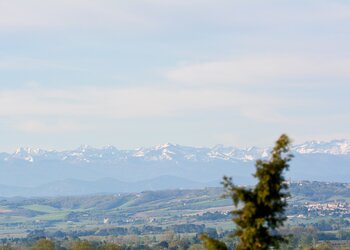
(262, 207)
(43, 244)
(82, 245)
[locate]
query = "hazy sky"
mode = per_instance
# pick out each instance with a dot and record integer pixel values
(193, 72)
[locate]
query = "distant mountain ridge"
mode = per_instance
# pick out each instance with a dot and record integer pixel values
(33, 168)
(171, 152)
(101, 186)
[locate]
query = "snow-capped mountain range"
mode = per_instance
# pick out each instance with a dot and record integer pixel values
(162, 166)
(164, 152)
(170, 152)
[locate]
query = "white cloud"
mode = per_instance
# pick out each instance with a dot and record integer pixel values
(123, 103)
(41, 14)
(10, 63)
(148, 14)
(265, 69)
(206, 87)
(114, 102)
(103, 14)
(40, 126)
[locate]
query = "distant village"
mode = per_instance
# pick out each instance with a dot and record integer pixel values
(317, 209)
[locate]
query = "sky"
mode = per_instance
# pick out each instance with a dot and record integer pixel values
(193, 72)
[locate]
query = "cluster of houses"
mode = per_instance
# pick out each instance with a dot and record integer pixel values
(335, 208)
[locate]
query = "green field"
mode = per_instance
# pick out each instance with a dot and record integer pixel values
(160, 210)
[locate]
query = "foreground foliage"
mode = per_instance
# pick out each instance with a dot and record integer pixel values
(43, 244)
(300, 239)
(263, 207)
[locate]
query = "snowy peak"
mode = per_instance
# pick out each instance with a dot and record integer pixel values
(28, 150)
(26, 153)
(334, 147)
(164, 152)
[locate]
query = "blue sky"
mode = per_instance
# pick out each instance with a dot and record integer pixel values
(139, 73)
